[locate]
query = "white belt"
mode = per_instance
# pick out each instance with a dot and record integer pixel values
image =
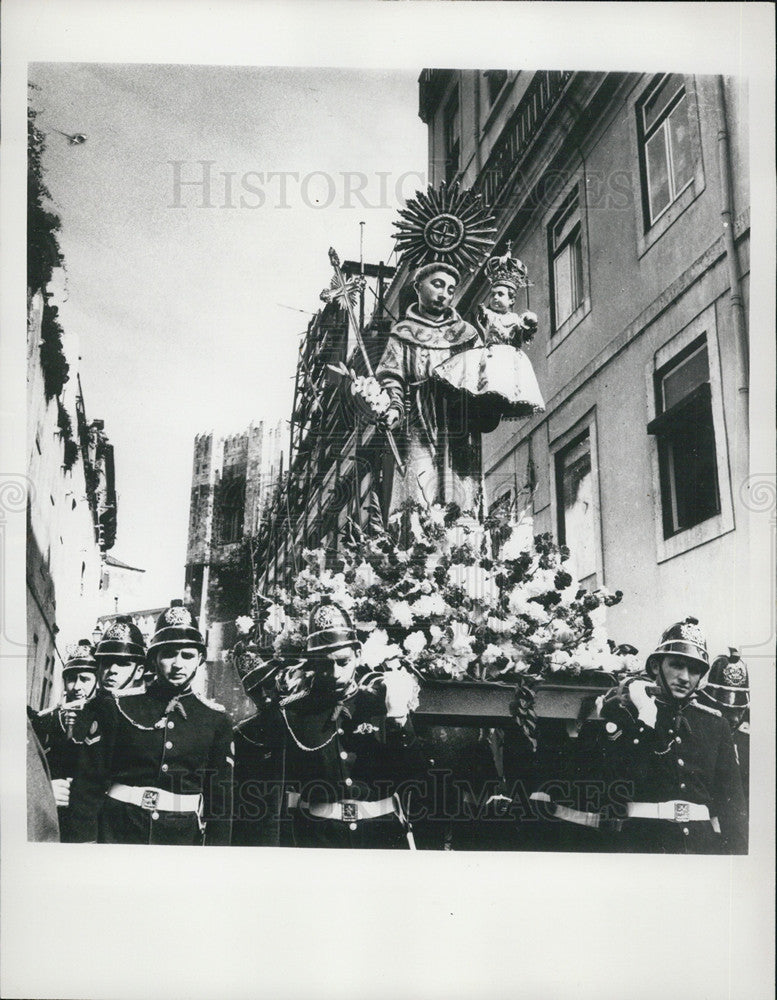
(675, 811)
(348, 810)
(564, 812)
(156, 798)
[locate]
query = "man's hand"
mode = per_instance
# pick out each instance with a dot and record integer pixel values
(61, 789)
(640, 694)
(401, 693)
(393, 418)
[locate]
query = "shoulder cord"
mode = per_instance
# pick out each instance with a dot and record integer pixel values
(302, 745)
(161, 722)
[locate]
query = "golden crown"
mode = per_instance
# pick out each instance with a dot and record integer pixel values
(507, 270)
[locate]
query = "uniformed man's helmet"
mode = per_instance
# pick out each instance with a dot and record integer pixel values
(681, 639)
(80, 656)
(256, 665)
(122, 639)
(177, 626)
(330, 628)
(728, 685)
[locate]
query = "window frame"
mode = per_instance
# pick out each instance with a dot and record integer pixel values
(560, 444)
(451, 108)
(560, 208)
(649, 231)
(686, 539)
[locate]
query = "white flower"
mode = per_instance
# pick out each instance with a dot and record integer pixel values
(461, 642)
(521, 539)
(400, 612)
(540, 583)
(476, 582)
(499, 625)
(414, 643)
(428, 605)
(276, 619)
(437, 514)
(520, 605)
(436, 633)
(491, 654)
(244, 624)
(365, 576)
(561, 631)
(377, 649)
(560, 660)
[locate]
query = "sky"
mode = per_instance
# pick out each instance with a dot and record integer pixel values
(183, 299)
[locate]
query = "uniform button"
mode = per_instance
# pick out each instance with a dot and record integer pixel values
(340, 732)
(610, 727)
(686, 831)
(169, 745)
(343, 755)
(680, 762)
(636, 741)
(155, 815)
(349, 781)
(678, 739)
(171, 725)
(351, 826)
(164, 767)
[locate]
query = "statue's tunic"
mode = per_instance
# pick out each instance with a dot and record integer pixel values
(438, 440)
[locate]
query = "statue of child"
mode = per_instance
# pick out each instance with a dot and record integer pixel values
(499, 375)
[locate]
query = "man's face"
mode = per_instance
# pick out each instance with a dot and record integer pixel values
(681, 675)
(117, 672)
(435, 292)
(79, 685)
(501, 298)
(177, 665)
(344, 662)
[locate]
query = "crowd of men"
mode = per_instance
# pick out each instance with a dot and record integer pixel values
(334, 758)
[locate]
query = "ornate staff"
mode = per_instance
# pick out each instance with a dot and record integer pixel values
(343, 295)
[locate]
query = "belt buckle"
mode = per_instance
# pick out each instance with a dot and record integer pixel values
(149, 799)
(682, 812)
(349, 812)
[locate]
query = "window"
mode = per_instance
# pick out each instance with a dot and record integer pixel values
(575, 504)
(232, 507)
(495, 80)
(666, 151)
(685, 438)
(566, 253)
(452, 137)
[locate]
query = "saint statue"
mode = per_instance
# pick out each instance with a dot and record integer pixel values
(437, 437)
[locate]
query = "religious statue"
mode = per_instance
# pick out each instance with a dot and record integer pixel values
(437, 431)
(498, 375)
(439, 447)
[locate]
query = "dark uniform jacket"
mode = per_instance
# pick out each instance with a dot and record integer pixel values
(689, 756)
(260, 817)
(164, 739)
(349, 751)
(61, 751)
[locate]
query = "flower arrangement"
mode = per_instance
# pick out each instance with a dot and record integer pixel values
(454, 598)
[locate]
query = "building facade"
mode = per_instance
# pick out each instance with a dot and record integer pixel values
(71, 508)
(627, 197)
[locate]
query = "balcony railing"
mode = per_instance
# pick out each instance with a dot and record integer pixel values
(541, 96)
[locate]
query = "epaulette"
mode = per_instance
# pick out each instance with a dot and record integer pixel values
(47, 711)
(210, 704)
(706, 708)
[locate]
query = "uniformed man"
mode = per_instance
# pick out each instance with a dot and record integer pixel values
(157, 765)
(61, 728)
(351, 757)
(260, 816)
(670, 758)
(728, 690)
(121, 658)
